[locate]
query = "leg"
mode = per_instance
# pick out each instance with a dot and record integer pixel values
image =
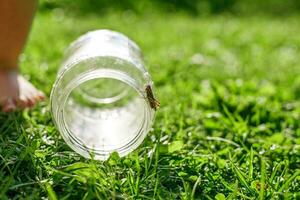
(15, 20)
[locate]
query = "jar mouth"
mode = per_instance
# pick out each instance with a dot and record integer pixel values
(94, 128)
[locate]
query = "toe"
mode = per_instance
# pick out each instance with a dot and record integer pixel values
(30, 101)
(22, 101)
(35, 97)
(9, 105)
(40, 96)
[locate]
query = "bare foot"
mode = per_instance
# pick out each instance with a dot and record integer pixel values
(16, 92)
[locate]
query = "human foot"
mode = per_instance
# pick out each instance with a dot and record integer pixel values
(16, 92)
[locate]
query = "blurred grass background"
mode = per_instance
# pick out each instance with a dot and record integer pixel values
(227, 75)
(193, 7)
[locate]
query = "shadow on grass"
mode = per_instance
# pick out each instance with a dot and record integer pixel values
(16, 166)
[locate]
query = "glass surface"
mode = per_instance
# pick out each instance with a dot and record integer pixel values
(98, 101)
(104, 123)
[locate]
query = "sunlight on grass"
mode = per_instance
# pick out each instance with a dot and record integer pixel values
(228, 126)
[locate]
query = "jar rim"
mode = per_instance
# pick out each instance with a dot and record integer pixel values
(75, 143)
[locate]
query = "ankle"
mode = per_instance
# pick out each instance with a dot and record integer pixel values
(6, 73)
(8, 65)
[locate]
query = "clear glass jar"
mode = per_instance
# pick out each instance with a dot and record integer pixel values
(102, 99)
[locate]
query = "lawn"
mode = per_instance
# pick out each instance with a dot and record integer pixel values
(228, 125)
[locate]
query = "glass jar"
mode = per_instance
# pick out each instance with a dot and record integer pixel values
(102, 100)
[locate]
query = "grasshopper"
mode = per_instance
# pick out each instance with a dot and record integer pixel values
(154, 104)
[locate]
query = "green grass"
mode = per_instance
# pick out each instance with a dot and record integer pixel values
(228, 126)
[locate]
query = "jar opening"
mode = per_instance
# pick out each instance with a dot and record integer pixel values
(104, 111)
